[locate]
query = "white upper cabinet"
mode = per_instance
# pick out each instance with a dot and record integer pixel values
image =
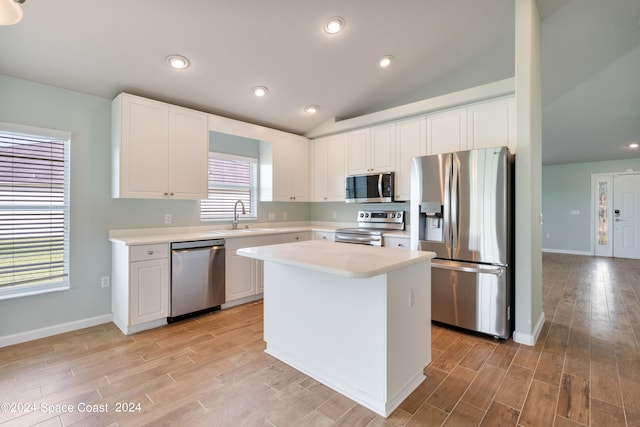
(481, 125)
(411, 141)
(329, 168)
(284, 170)
(447, 131)
(372, 150)
(491, 124)
(159, 151)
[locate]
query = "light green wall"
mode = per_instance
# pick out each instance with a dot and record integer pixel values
(93, 212)
(567, 188)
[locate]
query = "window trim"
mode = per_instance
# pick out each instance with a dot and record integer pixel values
(65, 137)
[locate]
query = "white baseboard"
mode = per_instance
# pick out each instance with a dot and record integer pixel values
(54, 330)
(530, 339)
(563, 251)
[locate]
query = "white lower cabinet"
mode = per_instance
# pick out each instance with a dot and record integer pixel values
(243, 276)
(140, 286)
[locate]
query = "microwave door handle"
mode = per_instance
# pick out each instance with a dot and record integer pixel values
(380, 186)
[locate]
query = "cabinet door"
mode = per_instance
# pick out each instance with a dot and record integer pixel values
(299, 166)
(188, 153)
(447, 131)
(336, 167)
(411, 141)
(239, 276)
(491, 124)
(149, 287)
(320, 177)
(142, 141)
(382, 148)
(359, 152)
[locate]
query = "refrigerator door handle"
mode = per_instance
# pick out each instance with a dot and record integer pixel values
(454, 205)
(485, 269)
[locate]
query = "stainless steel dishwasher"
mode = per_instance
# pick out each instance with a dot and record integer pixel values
(197, 277)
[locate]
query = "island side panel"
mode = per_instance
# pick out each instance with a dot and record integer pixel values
(409, 329)
(330, 327)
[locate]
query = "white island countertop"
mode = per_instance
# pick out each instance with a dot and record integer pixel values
(342, 259)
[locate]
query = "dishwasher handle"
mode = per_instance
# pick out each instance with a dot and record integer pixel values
(197, 244)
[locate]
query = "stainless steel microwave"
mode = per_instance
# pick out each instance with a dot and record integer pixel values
(370, 188)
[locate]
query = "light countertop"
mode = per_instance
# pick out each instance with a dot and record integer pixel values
(347, 260)
(179, 234)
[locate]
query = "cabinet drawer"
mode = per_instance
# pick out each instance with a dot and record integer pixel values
(296, 237)
(396, 242)
(146, 252)
(329, 236)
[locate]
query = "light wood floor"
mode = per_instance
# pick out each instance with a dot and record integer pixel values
(212, 371)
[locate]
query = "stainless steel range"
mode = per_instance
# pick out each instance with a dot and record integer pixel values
(371, 226)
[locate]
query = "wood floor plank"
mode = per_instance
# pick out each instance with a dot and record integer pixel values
(514, 387)
(573, 401)
(500, 415)
(446, 396)
(537, 410)
(483, 388)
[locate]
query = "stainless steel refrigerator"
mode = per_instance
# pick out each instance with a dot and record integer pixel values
(462, 209)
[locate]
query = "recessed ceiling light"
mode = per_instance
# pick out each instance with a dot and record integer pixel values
(633, 145)
(10, 12)
(311, 109)
(259, 90)
(178, 62)
(334, 25)
(385, 61)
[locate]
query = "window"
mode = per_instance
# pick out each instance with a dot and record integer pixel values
(231, 178)
(34, 211)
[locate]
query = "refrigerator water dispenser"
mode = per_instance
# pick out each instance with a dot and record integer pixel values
(431, 224)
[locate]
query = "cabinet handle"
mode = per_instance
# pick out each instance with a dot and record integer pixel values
(166, 194)
(149, 252)
(297, 238)
(324, 237)
(172, 194)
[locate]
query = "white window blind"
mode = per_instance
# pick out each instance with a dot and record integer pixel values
(231, 178)
(34, 214)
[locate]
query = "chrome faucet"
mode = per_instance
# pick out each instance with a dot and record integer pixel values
(235, 214)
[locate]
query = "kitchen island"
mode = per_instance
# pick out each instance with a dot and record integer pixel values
(355, 318)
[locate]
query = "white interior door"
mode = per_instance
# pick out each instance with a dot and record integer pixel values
(626, 216)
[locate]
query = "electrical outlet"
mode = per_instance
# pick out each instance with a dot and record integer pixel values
(167, 218)
(548, 235)
(334, 214)
(411, 298)
(104, 281)
(284, 215)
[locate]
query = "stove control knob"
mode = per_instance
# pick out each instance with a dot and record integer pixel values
(393, 215)
(361, 214)
(366, 215)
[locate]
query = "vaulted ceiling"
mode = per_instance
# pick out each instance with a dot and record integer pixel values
(590, 54)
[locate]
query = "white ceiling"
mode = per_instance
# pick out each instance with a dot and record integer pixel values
(590, 54)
